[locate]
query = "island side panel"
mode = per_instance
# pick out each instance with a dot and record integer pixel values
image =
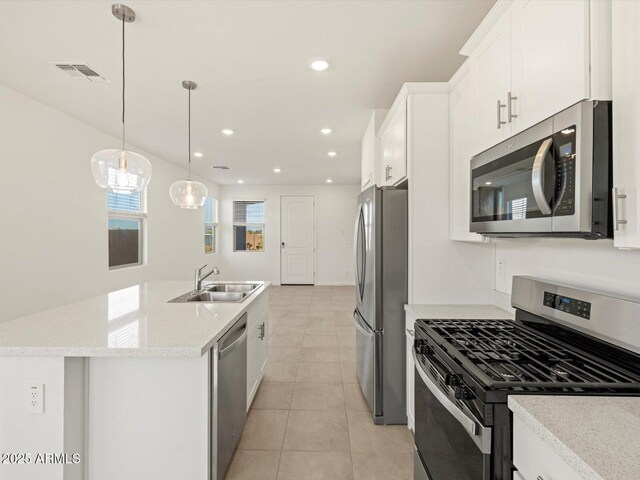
(33, 434)
(148, 418)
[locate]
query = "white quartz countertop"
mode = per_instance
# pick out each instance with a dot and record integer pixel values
(460, 312)
(135, 321)
(599, 437)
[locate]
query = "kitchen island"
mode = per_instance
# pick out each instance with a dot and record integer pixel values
(127, 380)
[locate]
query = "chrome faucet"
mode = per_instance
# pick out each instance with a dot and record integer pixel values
(199, 277)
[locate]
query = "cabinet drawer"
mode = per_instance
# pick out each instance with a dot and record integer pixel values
(534, 459)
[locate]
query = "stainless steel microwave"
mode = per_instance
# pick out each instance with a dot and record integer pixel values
(552, 179)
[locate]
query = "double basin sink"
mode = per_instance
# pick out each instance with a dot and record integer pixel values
(234, 292)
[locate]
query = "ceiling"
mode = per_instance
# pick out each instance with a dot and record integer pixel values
(250, 60)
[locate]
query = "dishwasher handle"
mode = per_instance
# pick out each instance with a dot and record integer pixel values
(233, 338)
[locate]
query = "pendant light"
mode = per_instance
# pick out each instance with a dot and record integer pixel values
(188, 193)
(120, 170)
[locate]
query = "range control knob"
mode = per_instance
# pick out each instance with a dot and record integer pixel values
(462, 393)
(451, 380)
(426, 349)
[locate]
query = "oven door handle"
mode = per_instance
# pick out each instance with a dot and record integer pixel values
(537, 176)
(481, 435)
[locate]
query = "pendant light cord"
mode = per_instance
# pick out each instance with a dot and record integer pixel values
(123, 83)
(189, 153)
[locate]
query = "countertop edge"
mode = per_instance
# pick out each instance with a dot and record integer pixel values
(155, 352)
(558, 446)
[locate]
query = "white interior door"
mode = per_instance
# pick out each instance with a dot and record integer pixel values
(297, 237)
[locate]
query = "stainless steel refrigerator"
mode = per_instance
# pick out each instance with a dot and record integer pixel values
(381, 239)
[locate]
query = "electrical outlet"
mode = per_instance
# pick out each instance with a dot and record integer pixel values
(35, 398)
(500, 271)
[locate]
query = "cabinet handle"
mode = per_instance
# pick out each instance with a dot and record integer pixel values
(387, 172)
(499, 110)
(614, 204)
(510, 114)
(390, 172)
(262, 331)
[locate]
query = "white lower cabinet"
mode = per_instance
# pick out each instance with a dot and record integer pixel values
(534, 459)
(410, 333)
(257, 345)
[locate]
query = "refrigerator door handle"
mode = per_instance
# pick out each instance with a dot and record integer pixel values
(359, 270)
(359, 326)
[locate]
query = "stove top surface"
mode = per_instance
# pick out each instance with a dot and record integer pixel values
(505, 355)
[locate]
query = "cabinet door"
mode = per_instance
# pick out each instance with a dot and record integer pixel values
(491, 70)
(263, 344)
(398, 170)
(410, 323)
(387, 156)
(626, 122)
(549, 59)
(253, 362)
(462, 129)
(368, 154)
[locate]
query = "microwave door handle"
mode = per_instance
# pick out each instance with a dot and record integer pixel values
(537, 174)
(481, 435)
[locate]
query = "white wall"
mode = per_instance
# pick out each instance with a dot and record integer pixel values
(335, 214)
(53, 217)
(596, 264)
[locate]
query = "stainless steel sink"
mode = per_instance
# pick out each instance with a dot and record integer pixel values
(231, 287)
(232, 292)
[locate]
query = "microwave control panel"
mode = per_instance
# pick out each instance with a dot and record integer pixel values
(565, 186)
(568, 305)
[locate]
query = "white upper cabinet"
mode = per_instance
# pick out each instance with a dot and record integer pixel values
(538, 58)
(394, 148)
(461, 137)
(626, 123)
(491, 69)
(368, 155)
(372, 150)
(549, 59)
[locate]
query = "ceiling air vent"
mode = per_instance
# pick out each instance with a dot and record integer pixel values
(220, 167)
(80, 71)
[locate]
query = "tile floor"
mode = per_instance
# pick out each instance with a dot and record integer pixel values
(309, 420)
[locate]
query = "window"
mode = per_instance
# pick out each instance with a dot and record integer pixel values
(210, 225)
(248, 226)
(127, 217)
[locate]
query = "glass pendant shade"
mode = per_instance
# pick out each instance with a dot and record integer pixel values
(188, 194)
(120, 171)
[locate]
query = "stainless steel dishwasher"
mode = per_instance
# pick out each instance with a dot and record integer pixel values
(229, 392)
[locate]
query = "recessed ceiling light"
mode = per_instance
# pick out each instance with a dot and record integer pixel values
(277, 170)
(329, 180)
(240, 181)
(326, 131)
(488, 183)
(198, 154)
(227, 131)
(332, 154)
(318, 64)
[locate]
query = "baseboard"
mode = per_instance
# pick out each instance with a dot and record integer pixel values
(335, 284)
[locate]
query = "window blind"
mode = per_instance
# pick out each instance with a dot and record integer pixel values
(125, 202)
(210, 213)
(245, 212)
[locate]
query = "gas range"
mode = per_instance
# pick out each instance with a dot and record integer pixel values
(501, 357)
(564, 341)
